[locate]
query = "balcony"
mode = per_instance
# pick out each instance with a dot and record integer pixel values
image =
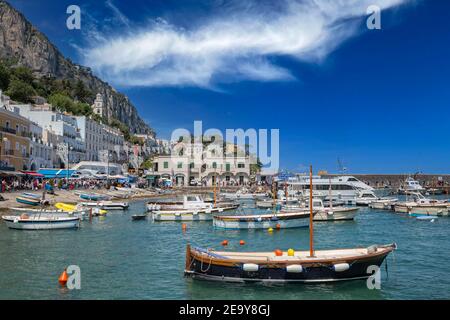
(8, 130)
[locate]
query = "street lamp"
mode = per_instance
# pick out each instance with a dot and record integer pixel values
(69, 148)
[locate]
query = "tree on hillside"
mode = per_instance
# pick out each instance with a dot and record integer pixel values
(23, 74)
(5, 77)
(20, 91)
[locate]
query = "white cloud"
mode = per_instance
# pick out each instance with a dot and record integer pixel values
(237, 45)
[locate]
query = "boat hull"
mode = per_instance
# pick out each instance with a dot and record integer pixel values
(28, 201)
(32, 224)
(160, 216)
(279, 221)
(422, 210)
(336, 215)
(205, 267)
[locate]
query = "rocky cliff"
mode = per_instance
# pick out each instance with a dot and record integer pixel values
(20, 40)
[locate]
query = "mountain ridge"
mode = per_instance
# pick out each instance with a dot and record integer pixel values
(21, 41)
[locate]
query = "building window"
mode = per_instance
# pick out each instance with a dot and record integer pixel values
(166, 165)
(17, 146)
(241, 165)
(214, 165)
(227, 167)
(191, 165)
(180, 165)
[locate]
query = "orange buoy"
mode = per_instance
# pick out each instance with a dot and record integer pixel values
(184, 226)
(242, 242)
(278, 252)
(63, 278)
(278, 226)
(225, 242)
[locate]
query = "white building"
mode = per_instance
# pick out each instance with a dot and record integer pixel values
(191, 162)
(4, 100)
(62, 125)
(113, 140)
(40, 151)
(91, 133)
(99, 107)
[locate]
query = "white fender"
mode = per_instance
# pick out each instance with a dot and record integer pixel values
(250, 267)
(294, 268)
(340, 267)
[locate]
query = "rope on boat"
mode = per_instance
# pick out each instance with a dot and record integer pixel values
(209, 266)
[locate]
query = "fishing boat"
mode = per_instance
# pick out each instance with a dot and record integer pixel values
(421, 206)
(384, 204)
(106, 205)
(366, 197)
(39, 222)
(411, 185)
(262, 221)
(313, 266)
(46, 212)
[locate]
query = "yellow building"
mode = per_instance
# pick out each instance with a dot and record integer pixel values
(14, 140)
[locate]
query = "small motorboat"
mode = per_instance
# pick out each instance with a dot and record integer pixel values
(106, 205)
(262, 221)
(205, 214)
(383, 204)
(322, 213)
(421, 206)
(136, 217)
(46, 212)
(66, 207)
(41, 222)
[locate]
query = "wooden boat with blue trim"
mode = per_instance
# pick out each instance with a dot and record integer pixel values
(31, 201)
(287, 266)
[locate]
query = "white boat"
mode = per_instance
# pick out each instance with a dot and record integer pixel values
(188, 202)
(52, 212)
(366, 197)
(421, 206)
(383, 204)
(269, 203)
(344, 188)
(40, 222)
(262, 221)
(411, 185)
(106, 205)
(323, 213)
(197, 214)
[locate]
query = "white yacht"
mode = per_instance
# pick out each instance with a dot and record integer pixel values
(411, 185)
(344, 188)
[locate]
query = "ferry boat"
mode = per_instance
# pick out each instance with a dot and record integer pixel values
(38, 222)
(343, 188)
(277, 266)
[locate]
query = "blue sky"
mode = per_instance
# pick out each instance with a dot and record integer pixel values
(377, 99)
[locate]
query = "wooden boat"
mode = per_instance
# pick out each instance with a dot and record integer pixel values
(262, 221)
(313, 266)
(106, 205)
(28, 200)
(38, 222)
(420, 205)
(46, 212)
(92, 196)
(383, 204)
(323, 266)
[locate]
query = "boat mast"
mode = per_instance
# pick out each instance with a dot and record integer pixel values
(311, 227)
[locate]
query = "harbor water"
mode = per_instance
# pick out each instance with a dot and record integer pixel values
(124, 259)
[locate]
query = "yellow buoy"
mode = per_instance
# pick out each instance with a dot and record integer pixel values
(291, 252)
(270, 230)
